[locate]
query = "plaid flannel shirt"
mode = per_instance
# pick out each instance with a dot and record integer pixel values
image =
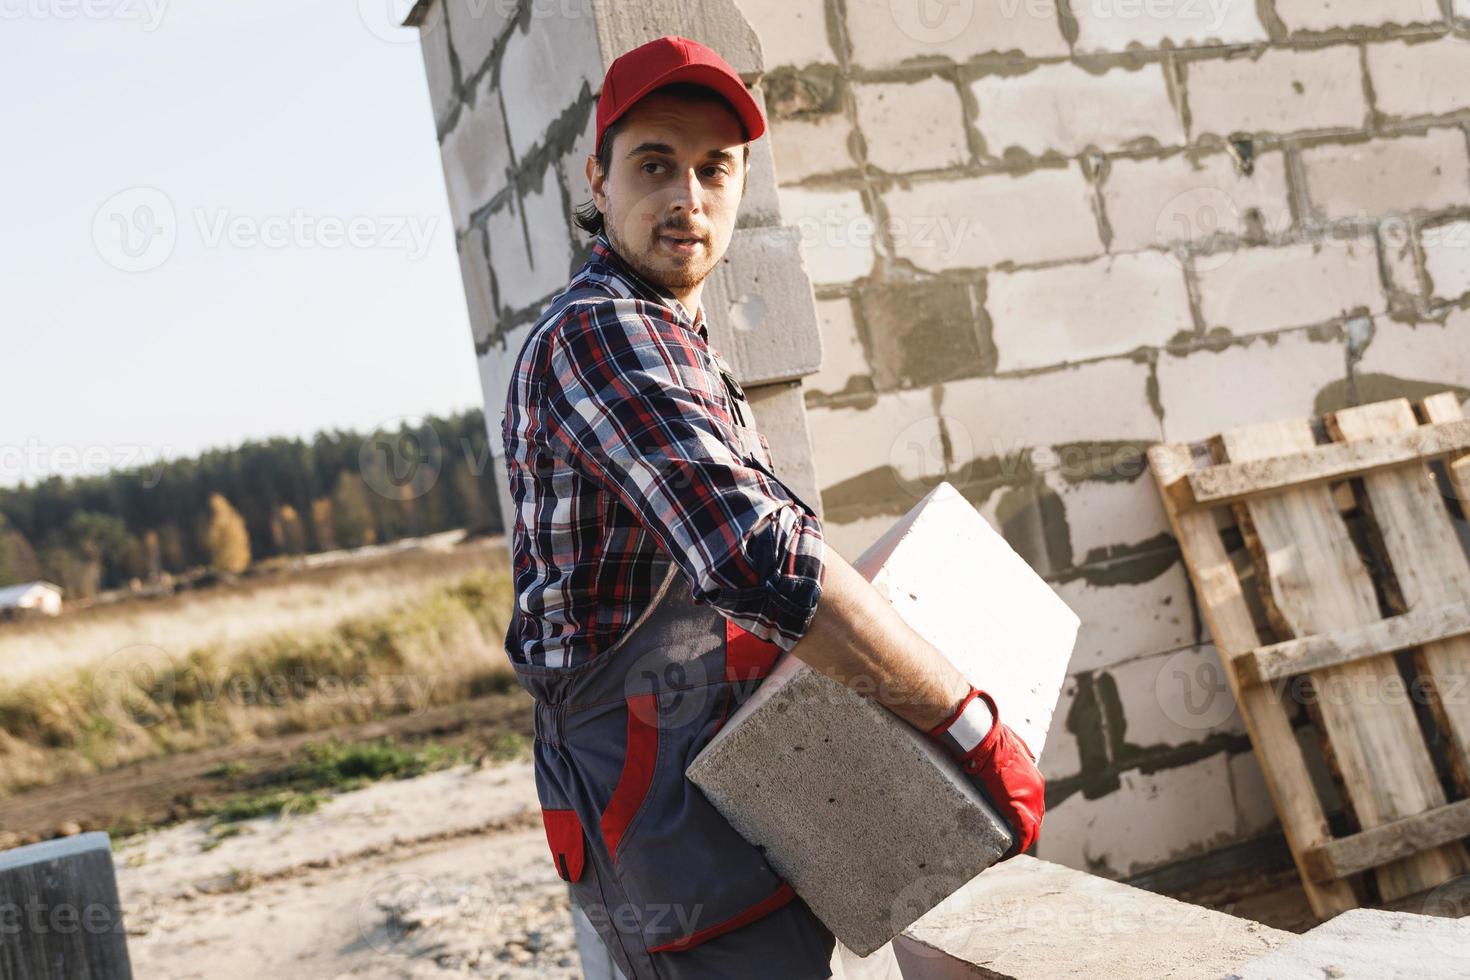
(622, 446)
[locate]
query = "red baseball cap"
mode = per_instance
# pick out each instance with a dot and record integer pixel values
(667, 60)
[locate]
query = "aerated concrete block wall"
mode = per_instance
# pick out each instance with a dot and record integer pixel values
(514, 87)
(1046, 233)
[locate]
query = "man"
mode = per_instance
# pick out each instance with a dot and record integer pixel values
(660, 566)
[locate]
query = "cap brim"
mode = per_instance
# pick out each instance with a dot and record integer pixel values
(732, 90)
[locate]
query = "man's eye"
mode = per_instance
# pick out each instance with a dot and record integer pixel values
(652, 167)
(715, 171)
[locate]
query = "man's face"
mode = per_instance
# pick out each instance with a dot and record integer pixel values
(672, 189)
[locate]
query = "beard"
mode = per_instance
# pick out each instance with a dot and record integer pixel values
(667, 271)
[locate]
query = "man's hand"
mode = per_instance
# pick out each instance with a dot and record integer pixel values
(999, 761)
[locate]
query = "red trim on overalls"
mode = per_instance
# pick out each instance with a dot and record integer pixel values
(637, 774)
(747, 656)
(564, 834)
(760, 909)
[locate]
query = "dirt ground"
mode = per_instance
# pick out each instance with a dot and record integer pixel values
(446, 875)
(168, 789)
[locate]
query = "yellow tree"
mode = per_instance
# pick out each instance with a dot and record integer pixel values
(227, 540)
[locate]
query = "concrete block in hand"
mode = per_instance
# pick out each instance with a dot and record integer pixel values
(869, 822)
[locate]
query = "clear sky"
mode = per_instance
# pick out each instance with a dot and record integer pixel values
(218, 221)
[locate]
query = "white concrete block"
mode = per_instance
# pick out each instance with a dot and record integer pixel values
(1254, 810)
(1369, 943)
(1407, 173)
(1150, 820)
(1396, 248)
(1061, 758)
(780, 416)
(1206, 391)
(1424, 79)
(759, 307)
(837, 233)
(1426, 352)
(534, 94)
(474, 269)
(1034, 919)
(475, 26)
(911, 126)
(886, 33)
(978, 222)
(1113, 511)
(1447, 259)
(476, 155)
(889, 849)
(1118, 25)
(1182, 198)
(1329, 15)
(899, 429)
(1064, 313)
(792, 32)
(1101, 401)
(527, 275)
(1253, 290)
(842, 348)
(1277, 92)
(434, 41)
(1065, 109)
(851, 539)
(807, 147)
(1123, 621)
(1176, 698)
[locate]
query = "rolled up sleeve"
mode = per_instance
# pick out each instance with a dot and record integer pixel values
(628, 400)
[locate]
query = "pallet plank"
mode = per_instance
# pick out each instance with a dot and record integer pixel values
(1445, 407)
(1389, 842)
(1430, 567)
(1224, 607)
(1314, 582)
(1415, 628)
(1313, 464)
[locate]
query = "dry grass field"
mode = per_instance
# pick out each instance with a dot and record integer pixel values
(274, 654)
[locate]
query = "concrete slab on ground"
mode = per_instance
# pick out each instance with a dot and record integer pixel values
(1369, 944)
(1029, 919)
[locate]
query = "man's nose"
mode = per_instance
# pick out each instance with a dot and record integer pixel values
(687, 192)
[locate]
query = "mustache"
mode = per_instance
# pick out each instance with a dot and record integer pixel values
(683, 229)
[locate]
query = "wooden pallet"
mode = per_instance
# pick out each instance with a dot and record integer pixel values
(1290, 504)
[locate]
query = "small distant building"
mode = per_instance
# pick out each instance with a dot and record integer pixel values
(32, 598)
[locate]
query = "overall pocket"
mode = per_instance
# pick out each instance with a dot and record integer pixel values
(689, 875)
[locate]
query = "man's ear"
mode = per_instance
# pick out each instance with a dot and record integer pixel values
(595, 181)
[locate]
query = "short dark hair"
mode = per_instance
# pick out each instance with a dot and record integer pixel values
(587, 217)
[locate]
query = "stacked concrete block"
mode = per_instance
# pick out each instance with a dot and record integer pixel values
(1032, 919)
(1370, 943)
(864, 816)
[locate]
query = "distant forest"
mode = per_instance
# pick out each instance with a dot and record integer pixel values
(227, 508)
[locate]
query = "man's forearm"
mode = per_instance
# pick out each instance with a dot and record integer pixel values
(856, 637)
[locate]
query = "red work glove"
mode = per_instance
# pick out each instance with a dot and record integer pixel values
(1000, 762)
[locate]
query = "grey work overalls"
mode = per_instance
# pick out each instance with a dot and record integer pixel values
(673, 890)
